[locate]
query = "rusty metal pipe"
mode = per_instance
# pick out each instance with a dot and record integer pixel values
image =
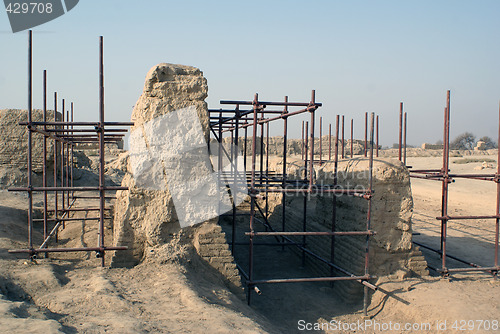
(94, 124)
(62, 250)
(30, 162)
(334, 198)
(256, 107)
(302, 150)
(235, 179)
(352, 138)
(366, 134)
(44, 176)
(311, 279)
(404, 140)
(285, 137)
(445, 183)
(56, 194)
(368, 214)
(343, 153)
(102, 192)
(72, 152)
(497, 211)
(321, 141)
(312, 233)
(329, 142)
(377, 144)
(63, 201)
(400, 130)
(278, 104)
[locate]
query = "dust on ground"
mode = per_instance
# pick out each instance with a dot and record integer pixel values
(175, 291)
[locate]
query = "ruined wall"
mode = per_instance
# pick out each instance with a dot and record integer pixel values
(14, 147)
(427, 146)
(391, 249)
(14, 139)
(294, 146)
(145, 217)
(211, 244)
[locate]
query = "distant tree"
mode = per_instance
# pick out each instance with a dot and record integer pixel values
(465, 141)
(439, 142)
(489, 143)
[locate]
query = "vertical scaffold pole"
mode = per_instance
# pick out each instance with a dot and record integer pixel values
(366, 134)
(329, 142)
(56, 193)
(404, 139)
(72, 151)
(311, 174)
(30, 153)
(320, 141)
(44, 181)
(68, 159)
(377, 143)
(352, 138)
(285, 139)
(267, 174)
(253, 193)
(368, 216)
(302, 151)
(400, 130)
(497, 225)
(342, 143)
(102, 193)
(63, 146)
(234, 164)
(445, 184)
(334, 199)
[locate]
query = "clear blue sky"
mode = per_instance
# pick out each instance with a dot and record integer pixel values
(358, 55)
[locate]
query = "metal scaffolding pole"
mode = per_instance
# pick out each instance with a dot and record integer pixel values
(343, 140)
(400, 130)
(61, 132)
(305, 186)
(444, 176)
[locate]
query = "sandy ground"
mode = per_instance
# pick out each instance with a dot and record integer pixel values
(173, 291)
(71, 293)
(468, 298)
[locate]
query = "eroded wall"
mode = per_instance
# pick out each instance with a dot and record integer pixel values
(145, 216)
(391, 249)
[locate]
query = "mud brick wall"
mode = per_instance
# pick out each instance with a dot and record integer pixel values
(294, 146)
(391, 249)
(14, 139)
(210, 243)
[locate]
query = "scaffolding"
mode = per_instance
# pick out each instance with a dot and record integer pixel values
(66, 134)
(343, 143)
(445, 176)
(261, 182)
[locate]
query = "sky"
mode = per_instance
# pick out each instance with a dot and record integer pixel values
(359, 56)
